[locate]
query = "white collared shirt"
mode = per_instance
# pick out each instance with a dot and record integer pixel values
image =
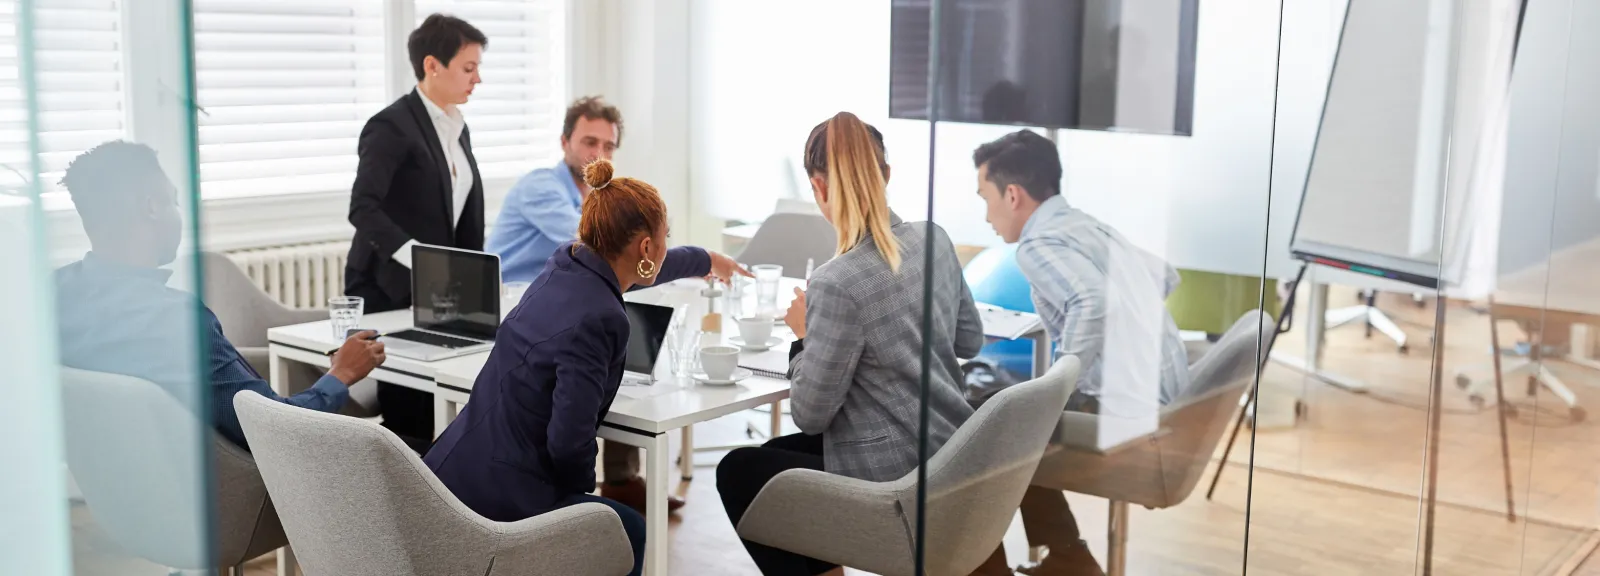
(448, 125)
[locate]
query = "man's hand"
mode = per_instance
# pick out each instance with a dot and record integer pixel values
(796, 316)
(724, 268)
(359, 355)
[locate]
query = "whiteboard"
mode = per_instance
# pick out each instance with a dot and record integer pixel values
(1373, 193)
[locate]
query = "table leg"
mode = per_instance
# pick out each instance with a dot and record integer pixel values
(777, 420)
(655, 506)
(1316, 324)
(444, 411)
(686, 454)
(278, 373)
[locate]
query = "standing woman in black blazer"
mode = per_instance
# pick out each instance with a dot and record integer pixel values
(417, 183)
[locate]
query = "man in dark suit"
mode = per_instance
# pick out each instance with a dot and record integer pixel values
(417, 183)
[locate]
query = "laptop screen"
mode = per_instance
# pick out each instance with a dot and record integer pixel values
(647, 329)
(455, 292)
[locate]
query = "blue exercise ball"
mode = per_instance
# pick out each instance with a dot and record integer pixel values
(995, 279)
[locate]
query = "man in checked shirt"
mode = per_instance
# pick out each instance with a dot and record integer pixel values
(1101, 299)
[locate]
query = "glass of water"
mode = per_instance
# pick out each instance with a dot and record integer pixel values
(768, 277)
(344, 312)
(683, 343)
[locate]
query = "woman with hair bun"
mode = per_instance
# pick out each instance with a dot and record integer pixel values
(525, 442)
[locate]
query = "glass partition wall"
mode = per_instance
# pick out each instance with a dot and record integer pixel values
(1114, 213)
(109, 467)
(1323, 265)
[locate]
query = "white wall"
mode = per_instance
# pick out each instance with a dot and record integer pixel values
(763, 73)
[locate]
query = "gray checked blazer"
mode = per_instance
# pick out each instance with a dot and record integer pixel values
(857, 375)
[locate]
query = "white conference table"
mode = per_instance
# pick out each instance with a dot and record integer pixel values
(641, 415)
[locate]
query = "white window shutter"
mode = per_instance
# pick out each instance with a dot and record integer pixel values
(515, 114)
(80, 91)
(284, 87)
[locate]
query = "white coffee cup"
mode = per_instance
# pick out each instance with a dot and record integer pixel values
(719, 361)
(755, 330)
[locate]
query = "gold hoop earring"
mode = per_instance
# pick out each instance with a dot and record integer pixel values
(643, 273)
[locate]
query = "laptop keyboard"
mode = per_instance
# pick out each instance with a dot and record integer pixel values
(440, 340)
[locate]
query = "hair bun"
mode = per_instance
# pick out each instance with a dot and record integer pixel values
(598, 173)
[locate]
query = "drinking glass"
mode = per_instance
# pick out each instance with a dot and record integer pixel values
(344, 313)
(683, 342)
(734, 298)
(768, 277)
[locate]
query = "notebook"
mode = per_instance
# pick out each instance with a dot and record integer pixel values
(771, 363)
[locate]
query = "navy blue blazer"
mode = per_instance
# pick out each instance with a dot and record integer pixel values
(526, 439)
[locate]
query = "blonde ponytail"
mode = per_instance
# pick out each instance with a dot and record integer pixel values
(858, 196)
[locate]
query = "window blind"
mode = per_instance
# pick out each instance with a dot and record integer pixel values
(284, 88)
(13, 108)
(79, 83)
(515, 114)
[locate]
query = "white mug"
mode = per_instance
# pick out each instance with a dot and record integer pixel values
(755, 330)
(719, 361)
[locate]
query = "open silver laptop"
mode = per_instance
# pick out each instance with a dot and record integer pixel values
(455, 304)
(648, 325)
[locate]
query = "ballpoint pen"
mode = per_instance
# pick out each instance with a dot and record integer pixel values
(352, 332)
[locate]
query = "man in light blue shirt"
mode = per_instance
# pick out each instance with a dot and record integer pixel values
(541, 213)
(1101, 299)
(542, 209)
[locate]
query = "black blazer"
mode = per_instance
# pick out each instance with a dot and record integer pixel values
(403, 191)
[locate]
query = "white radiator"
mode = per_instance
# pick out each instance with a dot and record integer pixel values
(299, 276)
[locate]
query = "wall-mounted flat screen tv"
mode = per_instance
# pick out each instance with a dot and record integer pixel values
(1123, 65)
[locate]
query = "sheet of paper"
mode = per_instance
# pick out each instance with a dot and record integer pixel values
(1007, 324)
(637, 392)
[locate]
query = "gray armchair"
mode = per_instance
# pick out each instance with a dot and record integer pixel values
(246, 313)
(134, 452)
(789, 240)
(355, 500)
(974, 484)
(1160, 469)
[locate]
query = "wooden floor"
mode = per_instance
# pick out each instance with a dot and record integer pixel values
(1338, 494)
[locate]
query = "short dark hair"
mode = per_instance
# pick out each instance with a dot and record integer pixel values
(441, 37)
(1023, 158)
(105, 184)
(592, 108)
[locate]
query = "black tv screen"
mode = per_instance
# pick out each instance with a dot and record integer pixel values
(1124, 65)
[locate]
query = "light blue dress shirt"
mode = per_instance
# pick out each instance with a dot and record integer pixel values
(540, 213)
(1100, 298)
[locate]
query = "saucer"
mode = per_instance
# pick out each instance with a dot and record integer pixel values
(738, 374)
(771, 341)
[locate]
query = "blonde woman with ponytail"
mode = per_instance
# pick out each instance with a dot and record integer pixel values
(857, 367)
